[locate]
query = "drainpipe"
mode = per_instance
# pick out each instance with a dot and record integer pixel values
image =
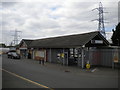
(83, 56)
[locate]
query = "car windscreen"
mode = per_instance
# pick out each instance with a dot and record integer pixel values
(14, 53)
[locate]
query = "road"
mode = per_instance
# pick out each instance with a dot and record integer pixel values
(25, 73)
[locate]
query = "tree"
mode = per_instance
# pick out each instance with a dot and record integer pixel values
(2, 45)
(116, 35)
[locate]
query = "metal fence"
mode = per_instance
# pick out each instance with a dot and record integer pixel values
(102, 57)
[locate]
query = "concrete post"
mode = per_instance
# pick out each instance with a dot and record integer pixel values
(67, 58)
(82, 56)
(79, 58)
(50, 56)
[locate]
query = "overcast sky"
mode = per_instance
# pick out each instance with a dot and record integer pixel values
(50, 18)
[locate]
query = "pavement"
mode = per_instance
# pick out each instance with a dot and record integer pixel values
(55, 75)
(76, 69)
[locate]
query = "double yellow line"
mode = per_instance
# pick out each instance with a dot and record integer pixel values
(43, 86)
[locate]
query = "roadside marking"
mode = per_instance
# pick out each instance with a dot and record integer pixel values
(26, 79)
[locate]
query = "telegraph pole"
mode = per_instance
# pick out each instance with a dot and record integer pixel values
(100, 20)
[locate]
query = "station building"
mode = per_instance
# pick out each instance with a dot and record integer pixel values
(75, 49)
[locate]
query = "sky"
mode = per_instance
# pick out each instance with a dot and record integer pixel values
(36, 19)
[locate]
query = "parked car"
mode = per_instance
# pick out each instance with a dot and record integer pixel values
(13, 55)
(10, 53)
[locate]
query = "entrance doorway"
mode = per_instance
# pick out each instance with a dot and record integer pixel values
(23, 53)
(73, 57)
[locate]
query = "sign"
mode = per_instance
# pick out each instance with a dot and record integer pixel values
(97, 41)
(88, 66)
(62, 55)
(42, 54)
(23, 48)
(116, 59)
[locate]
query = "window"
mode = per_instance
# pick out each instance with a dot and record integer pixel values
(73, 52)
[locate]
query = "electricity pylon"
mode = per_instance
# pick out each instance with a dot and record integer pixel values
(100, 20)
(16, 37)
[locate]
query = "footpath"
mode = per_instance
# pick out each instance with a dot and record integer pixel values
(76, 70)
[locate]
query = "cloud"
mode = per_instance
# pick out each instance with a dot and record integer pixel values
(8, 4)
(40, 19)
